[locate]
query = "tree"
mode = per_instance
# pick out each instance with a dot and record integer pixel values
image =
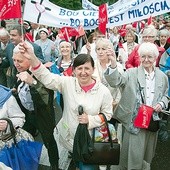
(77, 4)
(68, 4)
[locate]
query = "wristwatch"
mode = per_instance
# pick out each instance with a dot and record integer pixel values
(34, 82)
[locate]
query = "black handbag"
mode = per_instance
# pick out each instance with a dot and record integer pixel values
(11, 135)
(104, 153)
(153, 125)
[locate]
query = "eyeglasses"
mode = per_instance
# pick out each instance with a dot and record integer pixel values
(148, 37)
(143, 57)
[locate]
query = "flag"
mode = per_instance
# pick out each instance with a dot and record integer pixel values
(68, 32)
(139, 25)
(81, 31)
(122, 32)
(65, 34)
(103, 18)
(149, 20)
(10, 9)
(28, 37)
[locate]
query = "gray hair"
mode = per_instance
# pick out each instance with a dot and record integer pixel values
(17, 50)
(150, 31)
(106, 43)
(4, 32)
(164, 32)
(148, 47)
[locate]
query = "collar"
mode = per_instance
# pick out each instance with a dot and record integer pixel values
(92, 91)
(151, 75)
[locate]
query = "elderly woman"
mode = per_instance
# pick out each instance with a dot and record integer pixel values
(149, 35)
(127, 47)
(139, 144)
(164, 34)
(48, 46)
(82, 90)
(102, 63)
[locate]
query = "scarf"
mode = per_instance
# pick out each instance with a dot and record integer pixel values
(5, 94)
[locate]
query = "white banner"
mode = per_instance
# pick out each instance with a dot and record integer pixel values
(126, 3)
(47, 13)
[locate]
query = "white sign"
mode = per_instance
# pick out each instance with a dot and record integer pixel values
(47, 13)
(90, 6)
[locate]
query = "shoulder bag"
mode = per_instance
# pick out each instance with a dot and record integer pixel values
(18, 150)
(144, 118)
(104, 153)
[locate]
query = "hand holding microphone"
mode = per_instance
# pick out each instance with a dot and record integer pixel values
(82, 117)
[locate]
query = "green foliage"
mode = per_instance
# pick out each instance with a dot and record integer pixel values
(77, 4)
(68, 4)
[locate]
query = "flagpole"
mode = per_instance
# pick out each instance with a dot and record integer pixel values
(22, 26)
(68, 38)
(85, 36)
(22, 29)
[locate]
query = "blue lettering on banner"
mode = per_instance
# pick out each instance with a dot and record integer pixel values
(87, 22)
(148, 9)
(137, 2)
(91, 22)
(74, 22)
(91, 13)
(116, 18)
(68, 13)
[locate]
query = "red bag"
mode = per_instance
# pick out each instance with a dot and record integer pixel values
(143, 117)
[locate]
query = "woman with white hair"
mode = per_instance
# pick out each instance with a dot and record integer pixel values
(102, 63)
(143, 84)
(149, 35)
(163, 35)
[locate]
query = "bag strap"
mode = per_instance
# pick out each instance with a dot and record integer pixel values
(12, 129)
(108, 131)
(140, 89)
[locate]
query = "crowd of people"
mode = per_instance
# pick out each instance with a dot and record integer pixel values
(113, 73)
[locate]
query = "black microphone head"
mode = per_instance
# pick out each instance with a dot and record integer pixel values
(80, 110)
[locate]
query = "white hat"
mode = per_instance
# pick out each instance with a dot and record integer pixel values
(44, 30)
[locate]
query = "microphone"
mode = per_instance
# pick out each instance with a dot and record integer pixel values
(80, 110)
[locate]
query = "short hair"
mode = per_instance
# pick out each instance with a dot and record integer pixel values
(82, 59)
(149, 31)
(131, 32)
(164, 32)
(19, 29)
(148, 47)
(106, 43)
(4, 32)
(91, 36)
(16, 49)
(3, 23)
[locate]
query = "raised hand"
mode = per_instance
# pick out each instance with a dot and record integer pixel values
(26, 49)
(112, 57)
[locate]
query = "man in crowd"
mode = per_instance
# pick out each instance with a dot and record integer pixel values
(16, 36)
(36, 102)
(4, 40)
